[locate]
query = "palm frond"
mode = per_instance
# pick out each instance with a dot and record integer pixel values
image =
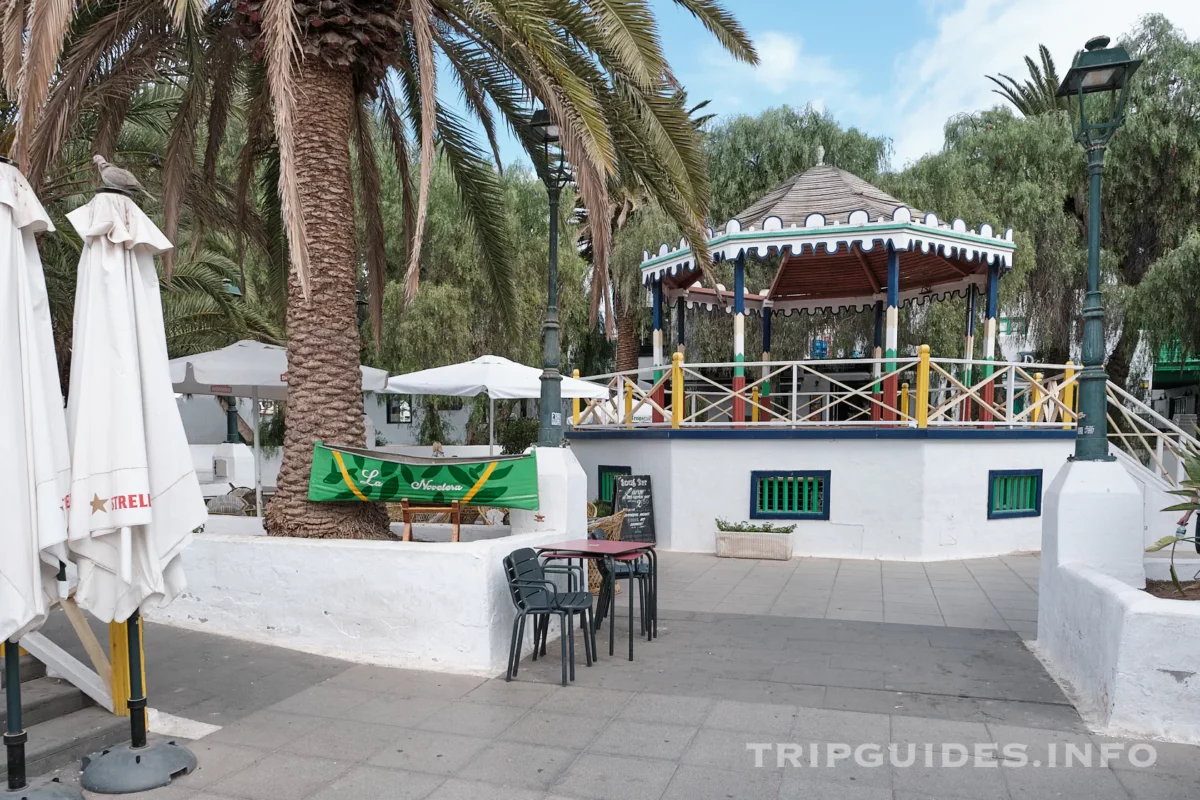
(279, 28)
(427, 77)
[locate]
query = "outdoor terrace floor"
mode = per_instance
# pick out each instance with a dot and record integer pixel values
(749, 652)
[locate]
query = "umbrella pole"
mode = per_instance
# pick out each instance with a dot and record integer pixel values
(257, 455)
(491, 426)
(137, 692)
(141, 765)
(14, 736)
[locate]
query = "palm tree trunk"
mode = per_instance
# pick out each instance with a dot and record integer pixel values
(628, 339)
(324, 384)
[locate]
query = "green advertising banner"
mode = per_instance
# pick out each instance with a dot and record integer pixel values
(346, 474)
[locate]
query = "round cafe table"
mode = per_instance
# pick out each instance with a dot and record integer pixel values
(586, 549)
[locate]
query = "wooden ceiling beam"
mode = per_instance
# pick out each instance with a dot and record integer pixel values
(866, 268)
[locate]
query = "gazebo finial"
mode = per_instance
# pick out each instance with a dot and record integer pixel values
(820, 155)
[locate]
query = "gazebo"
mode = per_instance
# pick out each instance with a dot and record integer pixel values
(844, 245)
(857, 465)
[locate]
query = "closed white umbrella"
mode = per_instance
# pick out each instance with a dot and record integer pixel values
(35, 467)
(249, 369)
(135, 499)
(499, 378)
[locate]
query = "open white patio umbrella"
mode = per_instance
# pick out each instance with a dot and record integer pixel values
(499, 378)
(35, 467)
(249, 369)
(135, 499)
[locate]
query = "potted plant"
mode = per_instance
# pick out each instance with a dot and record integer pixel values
(754, 540)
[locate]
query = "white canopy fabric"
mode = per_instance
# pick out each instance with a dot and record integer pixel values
(35, 468)
(247, 369)
(134, 498)
(494, 376)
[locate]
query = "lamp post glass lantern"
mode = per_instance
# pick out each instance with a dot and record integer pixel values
(1099, 73)
(554, 172)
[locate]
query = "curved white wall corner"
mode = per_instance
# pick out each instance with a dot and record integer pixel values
(562, 496)
(1131, 661)
(413, 605)
(904, 499)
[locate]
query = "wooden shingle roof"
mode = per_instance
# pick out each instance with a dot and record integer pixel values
(824, 190)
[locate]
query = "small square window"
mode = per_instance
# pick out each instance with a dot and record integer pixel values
(399, 409)
(789, 495)
(1014, 493)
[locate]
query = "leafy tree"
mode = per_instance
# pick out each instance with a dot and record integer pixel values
(749, 155)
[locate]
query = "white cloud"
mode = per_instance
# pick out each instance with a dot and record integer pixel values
(785, 69)
(944, 75)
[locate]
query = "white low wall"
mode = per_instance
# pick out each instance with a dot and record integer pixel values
(1130, 660)
(905, 497)
(413, 605)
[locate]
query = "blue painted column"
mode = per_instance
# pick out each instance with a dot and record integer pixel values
(657, 335)
(964, 410)
(680, 325)
(739, 338)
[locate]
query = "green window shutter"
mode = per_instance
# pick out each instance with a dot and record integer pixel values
(1014, 493)
(789, 495)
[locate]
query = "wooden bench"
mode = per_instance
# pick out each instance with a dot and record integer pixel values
(454, 510)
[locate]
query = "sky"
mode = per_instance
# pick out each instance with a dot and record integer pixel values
(898, 69)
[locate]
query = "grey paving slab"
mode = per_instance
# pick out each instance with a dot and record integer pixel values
(427, 751)
(381, 784)
(605, 777)
(458, 789)
(343, 740)
(473, 719)
(562, 730)
(757, 718)
(525, 766)
(645, 739)
(692, 782)
(280, 775)
(1075, 783)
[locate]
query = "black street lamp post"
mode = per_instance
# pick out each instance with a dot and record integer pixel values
(555, 176)
(1097, 69)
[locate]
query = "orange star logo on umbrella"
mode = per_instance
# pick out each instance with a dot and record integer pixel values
(98, 504)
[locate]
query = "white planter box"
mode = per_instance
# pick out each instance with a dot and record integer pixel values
(745, 544)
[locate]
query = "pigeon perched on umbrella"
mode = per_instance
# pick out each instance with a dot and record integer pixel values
(114, 177)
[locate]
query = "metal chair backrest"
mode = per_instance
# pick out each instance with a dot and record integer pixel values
(523, 565)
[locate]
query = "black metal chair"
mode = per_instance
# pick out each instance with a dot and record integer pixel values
(535, 595)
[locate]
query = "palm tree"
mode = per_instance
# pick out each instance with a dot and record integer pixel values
(1037, 95)
(327, 69)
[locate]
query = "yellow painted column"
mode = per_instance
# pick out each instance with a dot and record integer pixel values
(1036, 397)
(575, 403)
(118, 657)
(676, 389)
(628, 400)
(904, 400)
(1068, 397)
(922, 399)
(754, 404)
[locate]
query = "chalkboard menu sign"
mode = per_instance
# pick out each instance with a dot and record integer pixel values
(632, 494)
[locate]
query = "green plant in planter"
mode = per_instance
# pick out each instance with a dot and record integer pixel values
(749, 527)
(1190, 490)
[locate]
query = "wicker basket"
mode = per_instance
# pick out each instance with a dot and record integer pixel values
(746, 544)
(611, 525)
